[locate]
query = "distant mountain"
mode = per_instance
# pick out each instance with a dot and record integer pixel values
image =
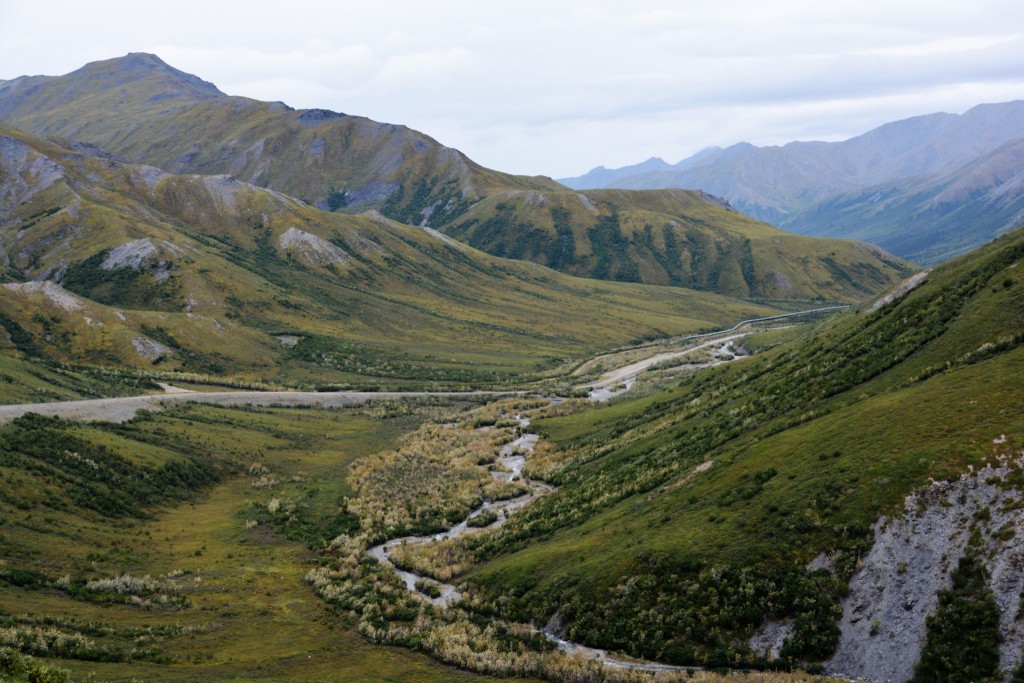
(833, 189)
(673, 237)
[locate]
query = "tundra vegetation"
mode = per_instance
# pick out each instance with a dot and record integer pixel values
(207, 542)
(644, 548)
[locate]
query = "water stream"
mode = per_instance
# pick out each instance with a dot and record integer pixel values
(512, 459)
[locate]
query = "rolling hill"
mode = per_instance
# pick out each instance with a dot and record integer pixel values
(673, 237)
(926, 188)
(116, 264)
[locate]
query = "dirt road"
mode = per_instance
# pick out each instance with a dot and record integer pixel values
(124, 408)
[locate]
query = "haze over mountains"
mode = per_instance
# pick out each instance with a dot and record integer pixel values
(925, 188)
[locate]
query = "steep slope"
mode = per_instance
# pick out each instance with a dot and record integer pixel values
(930, 211)
(673, 237)
(139, 107)
(721, 521)
(833, 189)
(117, 264)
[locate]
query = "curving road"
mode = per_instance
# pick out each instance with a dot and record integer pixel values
(124, 408)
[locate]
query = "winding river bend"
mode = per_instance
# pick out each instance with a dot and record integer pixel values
(511, 458)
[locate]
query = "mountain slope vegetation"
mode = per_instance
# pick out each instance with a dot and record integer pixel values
(145, 111)
(686, 521)
(141, 108)
(673, 237)
(117, 264)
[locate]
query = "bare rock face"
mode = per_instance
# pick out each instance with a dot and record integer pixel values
(25, 172)
(149, 349)
(59, 296)
(142, 254)
(883, 628)
(769, 639)
(310, 248)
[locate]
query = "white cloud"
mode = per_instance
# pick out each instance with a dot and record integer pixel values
(555, 88)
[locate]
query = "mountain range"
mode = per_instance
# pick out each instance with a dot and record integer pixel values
(109, 262)
(925, 188)
(145, 111)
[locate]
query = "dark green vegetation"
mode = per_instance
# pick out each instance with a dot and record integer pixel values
(685, 519)
(30, 380)
(673, 237)
(19, 668)
(174, 546)
(963, 634)
(213, 277)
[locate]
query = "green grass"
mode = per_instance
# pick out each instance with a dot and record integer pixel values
(251, 616)
(808, 443)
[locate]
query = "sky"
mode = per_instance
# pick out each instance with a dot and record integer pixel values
(557, 87)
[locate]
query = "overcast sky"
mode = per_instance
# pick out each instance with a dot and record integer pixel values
(556, 87)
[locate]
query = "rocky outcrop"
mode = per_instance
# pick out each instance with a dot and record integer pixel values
(51, 290)
(143, 254)
(25, 172)
(310, 248)
(883, 629)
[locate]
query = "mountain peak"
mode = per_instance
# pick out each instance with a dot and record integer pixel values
(162, 79)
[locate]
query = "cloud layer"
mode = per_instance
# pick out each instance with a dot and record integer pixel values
(557, 88)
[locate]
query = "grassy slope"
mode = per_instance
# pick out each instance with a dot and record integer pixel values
(403, 308)
(809, 442)
(673, 237)
(139, 107)
(257, 618)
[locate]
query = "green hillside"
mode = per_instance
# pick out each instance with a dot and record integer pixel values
(687, 519)
(673, 237)
(145, 111)
(211, 276)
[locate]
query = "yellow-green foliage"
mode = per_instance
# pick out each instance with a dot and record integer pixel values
(400, 308)
(442, 560)
(431, 482)
(673, 237)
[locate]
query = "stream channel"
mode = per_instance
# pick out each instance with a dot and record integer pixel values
(512, 459)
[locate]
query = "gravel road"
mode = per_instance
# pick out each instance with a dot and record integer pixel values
(124, 408)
